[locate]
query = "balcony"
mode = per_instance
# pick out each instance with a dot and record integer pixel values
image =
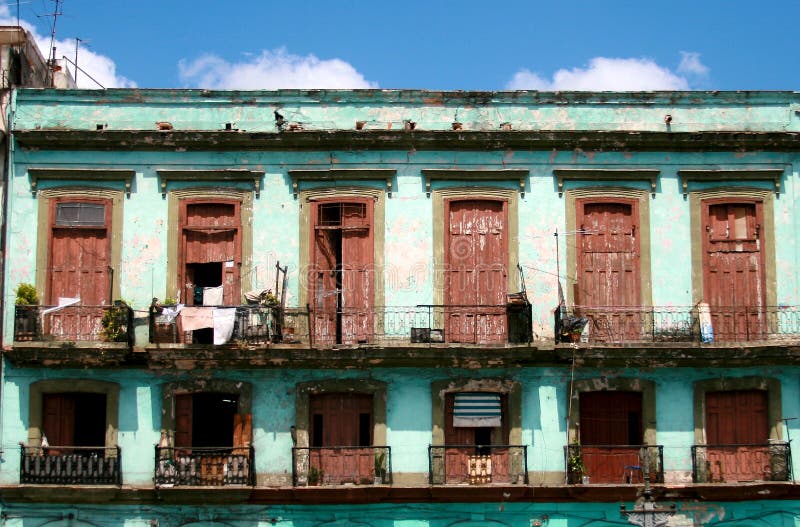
(614, 464)
(204, 467)
(740, 463)
(478, 465)
(615, 325)
(72, 336)
(70, 465)
(342, 465)
(251, 325)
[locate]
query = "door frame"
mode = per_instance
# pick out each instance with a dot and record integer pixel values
(733, 194)
(44, 228)
(569, 247)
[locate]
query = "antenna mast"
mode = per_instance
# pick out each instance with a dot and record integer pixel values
(52, 58)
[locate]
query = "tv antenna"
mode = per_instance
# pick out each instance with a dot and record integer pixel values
(52, 53)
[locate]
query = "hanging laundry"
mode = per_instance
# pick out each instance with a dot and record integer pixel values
(224, 319)
(193, 318)
(170, 313)
(213, 296)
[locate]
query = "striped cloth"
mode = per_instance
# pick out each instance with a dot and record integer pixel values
(477, 410)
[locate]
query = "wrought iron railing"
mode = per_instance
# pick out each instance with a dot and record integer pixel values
(74, 323)
(339, 465)
(620, 324)
(746, 462)
(70, 465)
(252, 324)
(204, 467)
(614, 464)
(477, 465)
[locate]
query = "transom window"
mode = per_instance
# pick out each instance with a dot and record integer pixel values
(80, 214)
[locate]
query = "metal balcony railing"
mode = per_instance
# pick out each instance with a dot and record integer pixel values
(745, 462)
(614, 464)
(382, 325)
(204, 467)
(70, 465)
(73, 323)
(477, 464)
(252, 324)
(339, 465)
(639, 324)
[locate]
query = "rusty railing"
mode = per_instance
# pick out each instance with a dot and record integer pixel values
(619, 324)
(477, 464)
(74, 323)
(204, 467)
(339, 465)
(745, 462)
(614, 464)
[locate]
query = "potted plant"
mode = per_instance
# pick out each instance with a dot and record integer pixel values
(315, 476)
(380, 468)
(115, 322)
(25, 317)
(576, 469)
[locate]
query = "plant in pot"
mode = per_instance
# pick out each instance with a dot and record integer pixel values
(576, 469)
(380, 468)
(115, 322)
(315, 476)
(25, 317)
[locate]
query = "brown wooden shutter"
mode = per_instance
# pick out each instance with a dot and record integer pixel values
(58, 419)
(183, 420)
(242, 430)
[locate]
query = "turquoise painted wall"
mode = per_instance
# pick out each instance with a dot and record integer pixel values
(408, 229)
(409, 413)
(493, 514)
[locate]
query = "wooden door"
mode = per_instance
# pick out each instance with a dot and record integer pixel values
(211, 234)
(341, 278)
(476, 270)
(608, 268)
(79, 266)
(342, 420)
(610, 434)
(58, 420)
(737, 435)
(733, 269)
(184, 418)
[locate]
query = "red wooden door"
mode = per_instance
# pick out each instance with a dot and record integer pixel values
(476, 270)
(733, 269)
(58, 420)
(608, 268)
(611, 434)
(737, 435)
(211, 247)
(80, 259)
(462, 442)
(341, 277)
(184, 415)
(342, 420)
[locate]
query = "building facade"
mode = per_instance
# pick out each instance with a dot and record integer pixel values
(400, 308)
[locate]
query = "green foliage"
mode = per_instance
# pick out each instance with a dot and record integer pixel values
(26, 295)
(315, 476)
(115, 322)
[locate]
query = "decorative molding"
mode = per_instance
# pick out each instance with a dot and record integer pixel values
(81, 174)
(606, 174)
(334, 174)
(226, 174)
(743, 174)
(467, 174)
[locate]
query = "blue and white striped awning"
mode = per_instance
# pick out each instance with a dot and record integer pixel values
(473, 409)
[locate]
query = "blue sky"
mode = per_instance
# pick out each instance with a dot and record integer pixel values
(466, 44)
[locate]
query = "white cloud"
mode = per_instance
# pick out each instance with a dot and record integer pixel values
(614, 74)
(98, 66)
(271, 70)
(691, 65)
